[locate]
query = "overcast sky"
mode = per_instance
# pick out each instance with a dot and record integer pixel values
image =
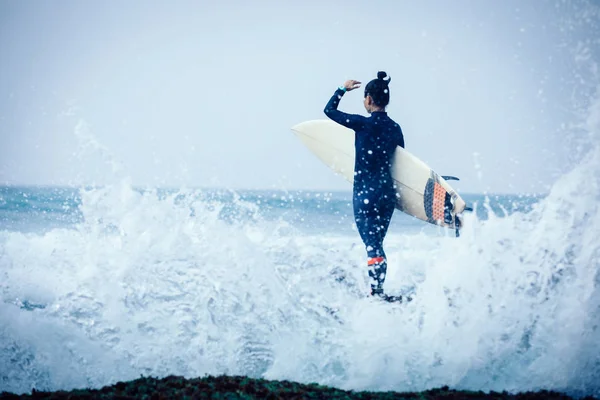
(203, 93)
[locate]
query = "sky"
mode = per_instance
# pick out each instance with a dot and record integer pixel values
(204, 93)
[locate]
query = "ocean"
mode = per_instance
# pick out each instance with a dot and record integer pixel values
(105, 284)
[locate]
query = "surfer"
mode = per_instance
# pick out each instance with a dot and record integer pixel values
(374, 193)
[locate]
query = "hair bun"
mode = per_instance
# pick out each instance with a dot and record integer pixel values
(381, 75)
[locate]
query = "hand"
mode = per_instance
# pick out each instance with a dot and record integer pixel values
(351, 84)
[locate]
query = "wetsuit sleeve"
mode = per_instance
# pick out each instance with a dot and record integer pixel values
(400, 137)
(351, 121)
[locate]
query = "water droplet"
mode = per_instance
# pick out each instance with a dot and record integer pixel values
(366, 201)
(370, 152)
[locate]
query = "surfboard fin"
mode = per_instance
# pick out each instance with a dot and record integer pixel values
(450, 178)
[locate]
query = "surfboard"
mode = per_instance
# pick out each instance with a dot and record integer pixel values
(421, 192)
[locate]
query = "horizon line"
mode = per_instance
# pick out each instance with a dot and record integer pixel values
(245, 189)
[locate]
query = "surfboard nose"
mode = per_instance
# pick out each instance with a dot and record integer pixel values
(296, 128)
(301, 127)
(316, 126)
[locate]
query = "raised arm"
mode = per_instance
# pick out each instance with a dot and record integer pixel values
(352, 121)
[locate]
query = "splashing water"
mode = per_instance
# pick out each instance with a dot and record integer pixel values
(157, 284)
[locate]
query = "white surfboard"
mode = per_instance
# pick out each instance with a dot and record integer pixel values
(422, 193)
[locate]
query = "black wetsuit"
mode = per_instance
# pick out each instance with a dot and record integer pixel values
(374, 194)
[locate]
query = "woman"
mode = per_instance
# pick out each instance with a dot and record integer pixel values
(374, 193)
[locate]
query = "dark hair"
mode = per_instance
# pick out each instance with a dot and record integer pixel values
(379, 89)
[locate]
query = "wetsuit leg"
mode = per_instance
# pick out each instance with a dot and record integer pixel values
(372, 222)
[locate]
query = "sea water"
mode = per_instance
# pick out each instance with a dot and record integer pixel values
(100, 284)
